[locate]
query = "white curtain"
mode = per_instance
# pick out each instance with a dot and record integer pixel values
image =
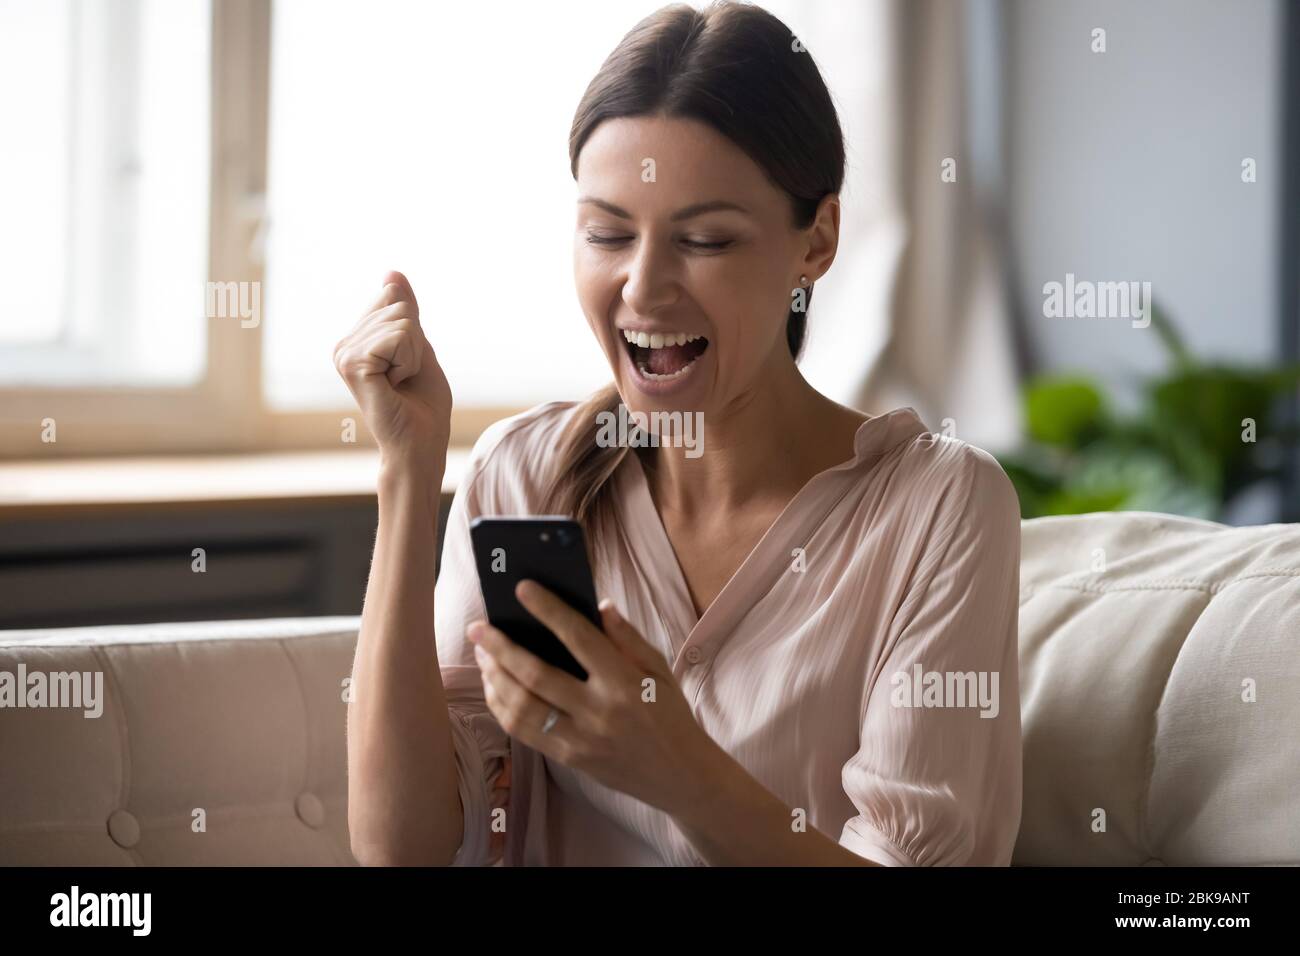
(914, 310)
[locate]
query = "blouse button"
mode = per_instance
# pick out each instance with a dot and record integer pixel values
(693, 655)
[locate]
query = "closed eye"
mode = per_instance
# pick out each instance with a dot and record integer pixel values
(695, 244)
(690, 243)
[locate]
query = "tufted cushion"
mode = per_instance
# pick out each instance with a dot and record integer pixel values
(1140, 635)
(244, 720)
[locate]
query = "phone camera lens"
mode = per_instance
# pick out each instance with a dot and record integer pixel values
(564, 536)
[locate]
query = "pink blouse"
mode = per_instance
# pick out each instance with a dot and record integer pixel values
(861, 663)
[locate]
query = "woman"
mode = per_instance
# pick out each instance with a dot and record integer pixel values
(812, 601)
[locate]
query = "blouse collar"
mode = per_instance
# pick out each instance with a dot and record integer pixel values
(877, 436)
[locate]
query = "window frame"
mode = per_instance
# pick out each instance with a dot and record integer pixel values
(221, 412)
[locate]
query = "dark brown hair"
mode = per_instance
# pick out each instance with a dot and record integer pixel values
(740, 70)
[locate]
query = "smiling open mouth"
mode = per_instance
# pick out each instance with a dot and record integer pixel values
(663, 355)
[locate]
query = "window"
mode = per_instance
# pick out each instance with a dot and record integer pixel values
(433, 139)
(103, 181)
(164, 157)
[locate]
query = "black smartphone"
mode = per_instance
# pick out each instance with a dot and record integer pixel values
(548, 549)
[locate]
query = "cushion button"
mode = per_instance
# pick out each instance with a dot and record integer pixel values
(310, 810)
(124, 829)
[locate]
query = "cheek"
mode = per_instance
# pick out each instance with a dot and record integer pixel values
(747, 307)
(596, 293)
(594, 282)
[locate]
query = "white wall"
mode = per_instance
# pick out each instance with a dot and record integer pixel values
(1127, 165)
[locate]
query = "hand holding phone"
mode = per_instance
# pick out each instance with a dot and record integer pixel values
(548, 549)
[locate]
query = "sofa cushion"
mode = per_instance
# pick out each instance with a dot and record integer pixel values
(1160, 686)
(242, 720)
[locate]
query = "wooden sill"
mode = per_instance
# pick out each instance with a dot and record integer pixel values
(68, 487)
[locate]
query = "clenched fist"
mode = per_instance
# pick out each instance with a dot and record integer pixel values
(390, 368)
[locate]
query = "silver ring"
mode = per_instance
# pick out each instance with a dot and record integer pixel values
(551, 720)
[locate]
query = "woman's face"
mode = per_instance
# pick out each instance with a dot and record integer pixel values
(684, 245)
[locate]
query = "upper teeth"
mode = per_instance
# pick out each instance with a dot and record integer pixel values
(658, 340)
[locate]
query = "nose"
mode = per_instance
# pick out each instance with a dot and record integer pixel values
(651, 284)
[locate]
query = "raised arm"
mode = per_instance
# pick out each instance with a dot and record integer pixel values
(403, 800)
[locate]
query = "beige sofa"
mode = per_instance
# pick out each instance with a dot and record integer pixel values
(1160, 693)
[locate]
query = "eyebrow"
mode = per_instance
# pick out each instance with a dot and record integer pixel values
(698, 209)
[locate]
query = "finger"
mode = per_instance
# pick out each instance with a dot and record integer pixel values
(390, 319)
(407, 364)
(400, 311)
(392, 352)
(583, 639)
(520, 712)
(364, 363)
(628, 639)
(390, 293)
(548, 683)
(382, 314)
(398, 289)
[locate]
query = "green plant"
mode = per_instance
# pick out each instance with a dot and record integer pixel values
(1187, 450)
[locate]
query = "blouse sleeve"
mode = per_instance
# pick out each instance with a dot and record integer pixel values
(482, 747)
(937, 777)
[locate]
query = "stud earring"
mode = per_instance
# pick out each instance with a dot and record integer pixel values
(803, 280)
